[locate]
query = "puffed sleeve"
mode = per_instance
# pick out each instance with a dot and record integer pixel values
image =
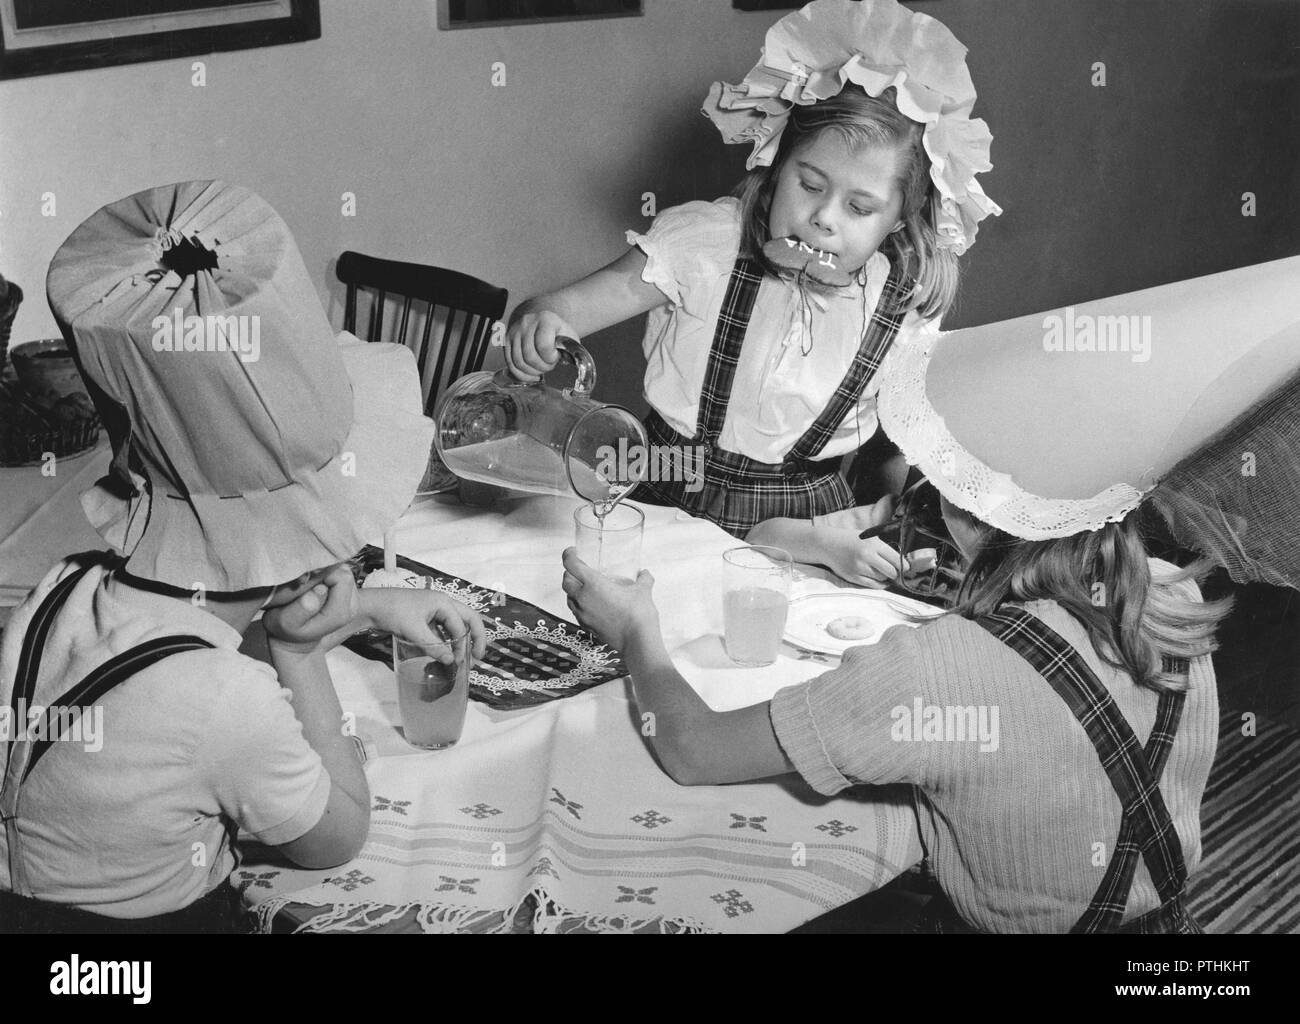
(915, 328)
(688, 245)
(913, 331)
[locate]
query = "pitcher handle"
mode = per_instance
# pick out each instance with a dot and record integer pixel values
(585, 382)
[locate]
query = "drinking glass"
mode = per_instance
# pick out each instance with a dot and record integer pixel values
(432, 690)
(755, 602)
(611, 543)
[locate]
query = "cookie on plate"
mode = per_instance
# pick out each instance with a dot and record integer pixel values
(850, 627)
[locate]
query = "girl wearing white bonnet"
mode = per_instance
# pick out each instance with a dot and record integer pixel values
(774, 310)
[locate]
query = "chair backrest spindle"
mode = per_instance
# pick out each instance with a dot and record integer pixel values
(377, 317)
(444, 346)
(462, 346)
(350, 310)
(443, 292)
(479, 345)
(406, 315)
(422, 354)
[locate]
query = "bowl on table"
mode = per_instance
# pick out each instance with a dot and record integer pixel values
(47, 371)
(44, 411)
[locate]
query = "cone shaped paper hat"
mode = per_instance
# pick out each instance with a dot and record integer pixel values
(1063, 421)
(249, 444)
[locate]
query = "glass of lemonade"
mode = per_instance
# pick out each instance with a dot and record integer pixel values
(610, 543)
(755, 601)
(432, 690)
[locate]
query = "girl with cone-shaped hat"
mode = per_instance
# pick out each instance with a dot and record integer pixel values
(1060, 721)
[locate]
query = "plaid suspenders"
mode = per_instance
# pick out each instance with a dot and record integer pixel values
(881, 331)
(738, 492)
(728, 336)
(23, 753)
(1146, 829)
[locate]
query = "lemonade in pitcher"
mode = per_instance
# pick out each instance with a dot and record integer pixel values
(529, 436)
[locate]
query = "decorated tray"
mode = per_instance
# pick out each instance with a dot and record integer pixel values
(532, 656)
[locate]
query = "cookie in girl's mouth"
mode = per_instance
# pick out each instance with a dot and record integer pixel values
(808, 262)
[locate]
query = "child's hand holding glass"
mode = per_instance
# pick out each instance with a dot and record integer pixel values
(418, 615)
(613, 609)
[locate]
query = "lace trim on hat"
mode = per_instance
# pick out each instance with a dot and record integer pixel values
(912, 423)
(877, 44)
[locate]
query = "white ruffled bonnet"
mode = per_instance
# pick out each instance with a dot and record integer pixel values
(811, 54)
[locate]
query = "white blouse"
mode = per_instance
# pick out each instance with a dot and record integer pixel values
(787, 372)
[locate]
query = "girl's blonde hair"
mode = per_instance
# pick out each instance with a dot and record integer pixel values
(861, 121)
(1139, 624)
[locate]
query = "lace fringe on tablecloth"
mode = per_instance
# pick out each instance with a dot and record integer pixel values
(435, 918)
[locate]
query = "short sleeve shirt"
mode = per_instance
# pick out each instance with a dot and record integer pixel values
(1015, 799)
(135, 819)
(797, 349)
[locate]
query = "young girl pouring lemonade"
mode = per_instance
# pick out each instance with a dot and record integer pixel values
(772, 311)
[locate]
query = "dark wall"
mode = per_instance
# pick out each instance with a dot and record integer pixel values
(1107, 189)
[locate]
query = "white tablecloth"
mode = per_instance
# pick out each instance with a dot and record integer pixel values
(557, 817)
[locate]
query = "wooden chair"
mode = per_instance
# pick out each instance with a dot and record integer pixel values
(466, 307)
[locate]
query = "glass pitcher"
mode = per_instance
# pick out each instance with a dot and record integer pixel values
(529, 436)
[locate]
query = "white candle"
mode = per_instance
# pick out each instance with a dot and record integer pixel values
(390, 550)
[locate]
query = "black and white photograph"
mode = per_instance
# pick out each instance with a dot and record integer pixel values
(654, 467)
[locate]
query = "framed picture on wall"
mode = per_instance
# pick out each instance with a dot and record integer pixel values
(481, 13)
(44, 37)
(773, 5)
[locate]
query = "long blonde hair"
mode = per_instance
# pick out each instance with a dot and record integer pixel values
(862, 120)
(1137, 623)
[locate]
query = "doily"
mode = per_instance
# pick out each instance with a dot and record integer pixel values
(525, 664)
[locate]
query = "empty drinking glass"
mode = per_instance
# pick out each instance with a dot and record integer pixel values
(610, 544)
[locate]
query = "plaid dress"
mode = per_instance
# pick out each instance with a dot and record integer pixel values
(1146, 829)
(739, 492)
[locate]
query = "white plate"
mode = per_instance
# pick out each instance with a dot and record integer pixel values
(809, 616)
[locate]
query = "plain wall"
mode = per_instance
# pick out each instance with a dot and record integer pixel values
(1106, 189)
